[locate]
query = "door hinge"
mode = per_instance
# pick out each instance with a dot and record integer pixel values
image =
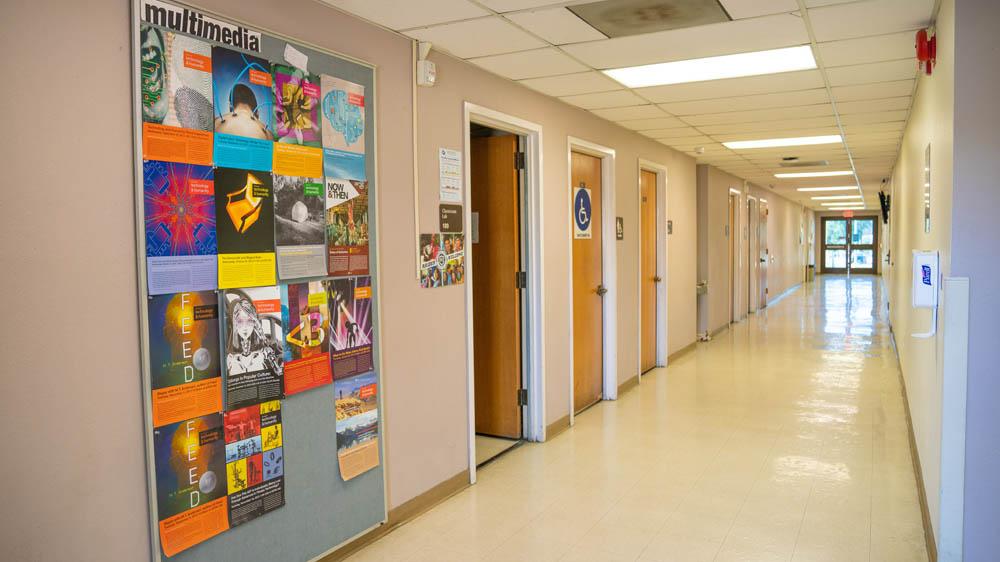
(519, 160)
(520, 279)
(522, 397)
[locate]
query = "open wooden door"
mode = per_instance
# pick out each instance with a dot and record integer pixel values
(649, 277)
(588, 289)
(496, 299)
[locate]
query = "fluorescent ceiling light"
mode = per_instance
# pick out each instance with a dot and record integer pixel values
(815, 174)
(844, 205)
(834, 197)
(715, 68)
(835, 188)
(775, 143)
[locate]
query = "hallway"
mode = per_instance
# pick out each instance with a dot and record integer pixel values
(785, 438)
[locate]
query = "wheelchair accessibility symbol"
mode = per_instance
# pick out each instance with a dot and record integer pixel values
(581, 213)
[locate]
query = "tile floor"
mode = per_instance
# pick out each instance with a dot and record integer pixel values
(783, 439)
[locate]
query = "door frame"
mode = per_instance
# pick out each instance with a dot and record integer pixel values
(753, 265)
(609, 264)
(533, 358)
(661, 260)
(736, 260)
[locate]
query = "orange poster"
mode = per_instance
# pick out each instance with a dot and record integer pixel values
(183, 531)
(174, 144)
(295, 160)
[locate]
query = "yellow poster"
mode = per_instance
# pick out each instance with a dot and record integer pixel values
(246, 270)
(296, 160)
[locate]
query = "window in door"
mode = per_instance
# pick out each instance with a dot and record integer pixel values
(849, 245)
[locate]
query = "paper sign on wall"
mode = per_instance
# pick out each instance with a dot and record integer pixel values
(450, 164)
(581, 213)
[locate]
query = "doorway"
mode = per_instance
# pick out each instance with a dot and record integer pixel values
(530, 393)
(732, 230)
(849, 244)
(496, 255)
(649, 276)
(763, 254)
(753, 250)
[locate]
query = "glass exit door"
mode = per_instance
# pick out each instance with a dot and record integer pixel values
(849, 244)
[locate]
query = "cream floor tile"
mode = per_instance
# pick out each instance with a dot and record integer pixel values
(784, 438)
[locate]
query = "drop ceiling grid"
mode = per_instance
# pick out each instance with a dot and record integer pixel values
(863, 86)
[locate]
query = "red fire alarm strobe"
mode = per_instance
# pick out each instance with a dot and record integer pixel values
(926, 51)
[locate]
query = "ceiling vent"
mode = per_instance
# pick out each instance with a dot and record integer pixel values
(803, 163)
(621, 18)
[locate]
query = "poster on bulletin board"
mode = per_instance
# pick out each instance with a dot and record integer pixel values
(256, 188)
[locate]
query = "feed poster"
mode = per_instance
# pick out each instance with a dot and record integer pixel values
(255, 462)
(306, 322)
(184, 356)
(357, 424)
(347, 227)
(351, 330)
(442, 260)
(253, 346)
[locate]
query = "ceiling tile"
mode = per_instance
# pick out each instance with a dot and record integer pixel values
(602, 100)
(893, 46)
(685, 141)
(902, 69)
(739, 9)
(873, 91)
(511, 5)
(774, 125)
(867, 106)
(477, 38)
(646, 111)
(747, 86)
(795, 112)
(675, 132)
(530, 64)
(873, 17)
(768, 32)
(572, 84)
(875, 117)
(747, 103)
(650, 124)
(404, 14)
(556, 25)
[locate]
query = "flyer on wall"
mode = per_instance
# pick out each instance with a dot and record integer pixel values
(442, 260)
(300, 226)
(190, 464)
(350, 301)
(244, 110)
(176, 92)
(244, 208)
(356, 401)
(453, 247)
(347, 227)
(255, 461)
(181, 247)
(184, 369)
(306, 322)
(296, 94)
(254, 346)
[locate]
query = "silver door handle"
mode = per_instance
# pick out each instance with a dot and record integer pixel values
(601, 291)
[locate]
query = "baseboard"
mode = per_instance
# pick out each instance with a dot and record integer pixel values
(681, 352)
(628, 385)
(405, 512)
(918, 473)
(557, 427)
(719, 330)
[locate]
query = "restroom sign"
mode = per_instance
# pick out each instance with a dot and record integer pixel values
(581, 213)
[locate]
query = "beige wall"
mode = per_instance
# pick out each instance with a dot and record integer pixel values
(788, 247)
(931, 121)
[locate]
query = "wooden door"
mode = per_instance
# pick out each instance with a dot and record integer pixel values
(496, 300)
(731, 234)
(765, 256)
(588, 278)
(649, 277)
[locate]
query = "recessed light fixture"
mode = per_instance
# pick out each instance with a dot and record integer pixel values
(835, 197)
(814, 174)
(793, 141)
(833, 188)
(715, 68)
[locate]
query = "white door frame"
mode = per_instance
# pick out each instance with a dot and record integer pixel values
(609, 264)
(753, 259)
(661, 261)
(736, 266)
(534, 319)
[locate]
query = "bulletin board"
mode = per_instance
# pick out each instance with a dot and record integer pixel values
(203, 144)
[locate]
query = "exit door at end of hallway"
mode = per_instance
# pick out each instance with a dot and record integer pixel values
(849, 244)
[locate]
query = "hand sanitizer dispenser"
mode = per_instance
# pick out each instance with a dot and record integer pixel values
(926, 278)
